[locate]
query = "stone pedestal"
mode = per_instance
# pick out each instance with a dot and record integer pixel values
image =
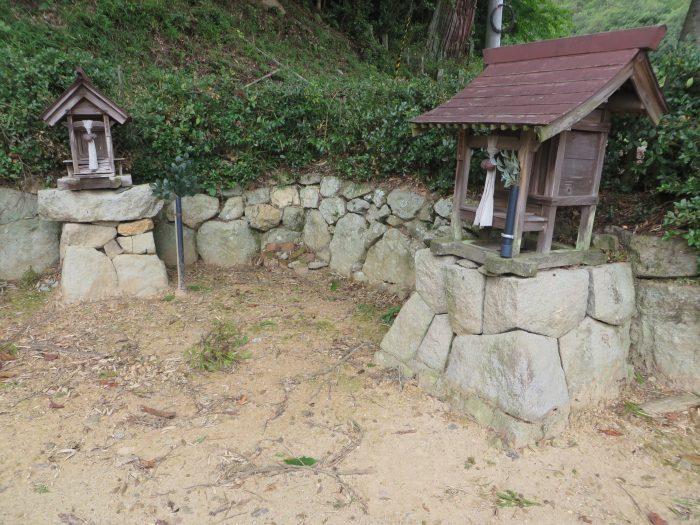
(107, 245)
(516, 354)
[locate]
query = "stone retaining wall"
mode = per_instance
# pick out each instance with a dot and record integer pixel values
(26, 242)
(107, 248)
(360, 230)
(516, 354)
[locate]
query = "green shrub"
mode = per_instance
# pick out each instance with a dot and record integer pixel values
(218, 349)
(177, 70)
(671, 162)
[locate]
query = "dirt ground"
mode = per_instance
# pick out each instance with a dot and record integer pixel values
(77, 446)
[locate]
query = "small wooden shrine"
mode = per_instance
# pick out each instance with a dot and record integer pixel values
(89, 116)
(550, 101)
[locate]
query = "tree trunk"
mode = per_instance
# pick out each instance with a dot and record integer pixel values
(450, 27)
(691, 26)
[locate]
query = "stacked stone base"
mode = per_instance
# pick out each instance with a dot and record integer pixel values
(515, 354)
(107, 246)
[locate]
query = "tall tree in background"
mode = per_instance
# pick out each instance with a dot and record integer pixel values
(450, 27)
(691, 26)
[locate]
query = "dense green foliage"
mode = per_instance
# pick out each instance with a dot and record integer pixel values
(592, 16)
(671, 159)
(186, 72)
(405, 26)
(186, 101)
(181, 180)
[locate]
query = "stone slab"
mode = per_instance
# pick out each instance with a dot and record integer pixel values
(195, 209)
(669, 404)
(347, 247)
(435, 347)
(140, 275)
(611, 293)
(227, 244)
(552, 303)
(135, 227)
(430, 278)
(87, 235)
(25, 244)
(655, 257)
(464, 293)
(518, 372)
(136, 202)
(166, 244)
(666, 332)
(87, 275)
(233, 209)
(389, 260)
(407, 332)
(16, 205)
(594, 358)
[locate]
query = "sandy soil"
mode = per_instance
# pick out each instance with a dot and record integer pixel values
(78, 448)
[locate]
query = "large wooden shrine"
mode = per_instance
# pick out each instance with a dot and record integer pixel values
(550, 101)
(89, 116)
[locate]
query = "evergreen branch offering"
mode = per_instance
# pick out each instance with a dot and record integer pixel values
(508, 166)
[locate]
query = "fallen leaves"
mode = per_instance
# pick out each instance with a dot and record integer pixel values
(693, 459)
(7, 374)
(147, 463)
(53, 404)
(610, 432)
(49, 356)
(158, 413)
(655, 519)
(303, 461)
(7, 356)
(242, 399)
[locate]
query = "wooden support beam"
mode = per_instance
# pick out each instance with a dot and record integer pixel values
(525, 156)
(464, 157)
(108, 141)
(73, 145)
(503, 142)
(585, 229)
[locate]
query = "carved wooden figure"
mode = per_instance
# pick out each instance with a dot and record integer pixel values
(89, 115)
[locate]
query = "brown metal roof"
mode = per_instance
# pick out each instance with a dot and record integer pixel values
(82, 89)
(553, 84)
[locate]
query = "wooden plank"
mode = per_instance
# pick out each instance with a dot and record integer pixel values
(497, 101)
(581, 60)
(545, 77)
(552, 88)
(643, 38)
(464, 249)
(519, 266)
(584, 200)
(585, 230)
(551, 189)
(527, 264)
(73, 145)
(584, 109)
(503, 142)
(108, 142)
(525, 157)
(485, 120)
(464, 155)
(648, 89)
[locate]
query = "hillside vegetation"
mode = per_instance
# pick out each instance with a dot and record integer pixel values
(247, 91)
(181, 70)
(592, 16)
